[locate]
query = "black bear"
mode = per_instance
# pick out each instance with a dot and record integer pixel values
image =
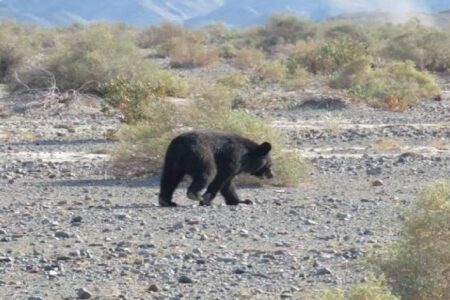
(212, 159)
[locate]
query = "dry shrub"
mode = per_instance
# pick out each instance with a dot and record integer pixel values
(248, 58)
(428, 48)
(374, 289)
(273, 71)
(18, 43)
(189, 51)
(388, 144)
(417, 267)
(153, 36)
(327, 57)
(284, 28)
(234, 81)
(94, 54)
(395, 86)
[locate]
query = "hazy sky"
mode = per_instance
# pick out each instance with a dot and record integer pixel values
(404, 6)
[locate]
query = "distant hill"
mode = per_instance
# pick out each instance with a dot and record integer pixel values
(195, 13)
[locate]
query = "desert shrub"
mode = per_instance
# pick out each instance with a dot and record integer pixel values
(248, 58)
(353, 74)
(283, 28)
(418, 266)
(94, 55)
(213, 33)
(233, 81)
(189, 51)
(374, 289)
(329, 56)
(298, 79)
(153, 36)
(150, 121)
(272, 71)
(428, 48)
(346, 31)
(227, 51)
(134, 99)
(15, 47)
(397, 85)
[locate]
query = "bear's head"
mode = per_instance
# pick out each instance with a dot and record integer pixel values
(259, 163)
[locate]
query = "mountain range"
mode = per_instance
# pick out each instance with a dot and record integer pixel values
(195, 13)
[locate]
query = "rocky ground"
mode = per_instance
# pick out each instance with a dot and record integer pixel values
(70, 230)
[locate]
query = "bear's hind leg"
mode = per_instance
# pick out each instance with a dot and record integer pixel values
(169, 183)
(202, 174)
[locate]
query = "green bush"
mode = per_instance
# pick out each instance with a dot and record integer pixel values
(136, 100)
(328, 57)
(418, 266)
(397, 85)
(93, 55)
(428, 48)
(16, 45)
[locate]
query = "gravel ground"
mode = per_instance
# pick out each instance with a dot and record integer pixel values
(70, 230)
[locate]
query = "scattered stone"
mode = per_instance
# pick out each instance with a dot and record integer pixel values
(227, 259)
(153, 288)
(4, 259)
(323, 271)
(377, 182)
(83, 293)
(185, 279)
(310, 222)
(77, 219)
(192, 222)
(62, 235)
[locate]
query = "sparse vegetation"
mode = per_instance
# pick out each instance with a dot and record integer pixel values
(374, 289)
(417, 267)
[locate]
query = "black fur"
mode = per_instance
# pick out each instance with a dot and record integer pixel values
(212, 159)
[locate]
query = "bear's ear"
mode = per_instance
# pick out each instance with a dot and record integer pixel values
(263, 149)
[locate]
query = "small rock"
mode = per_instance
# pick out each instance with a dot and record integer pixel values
(374, 171)
(35, 298)
(62, 235)
(310, 222)
(377, 182)
(77, 219)
(153, 288)
(4, 259)
(192, 222)
(227, 259)
(83, 293)
(185, 279)
(343, 216)
(323, 271)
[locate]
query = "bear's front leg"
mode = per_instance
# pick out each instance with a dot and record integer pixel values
(228, 191)
(215, 186)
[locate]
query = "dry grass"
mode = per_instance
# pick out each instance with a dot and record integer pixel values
(388, 144)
